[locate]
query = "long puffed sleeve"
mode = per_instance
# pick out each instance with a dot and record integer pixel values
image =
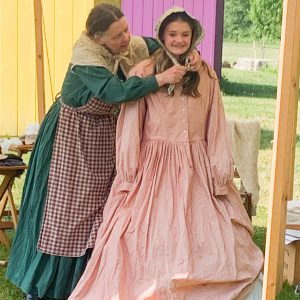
(218, 145)
(128, 141)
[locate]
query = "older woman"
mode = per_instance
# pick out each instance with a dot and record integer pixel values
(73, 163)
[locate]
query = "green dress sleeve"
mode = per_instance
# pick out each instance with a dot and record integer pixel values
(83, 82)
(152, 44)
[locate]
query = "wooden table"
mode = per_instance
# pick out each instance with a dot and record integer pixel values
(6, 197)
(21, 149)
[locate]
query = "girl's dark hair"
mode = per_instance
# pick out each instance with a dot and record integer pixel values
(162, 61)
(101, 17)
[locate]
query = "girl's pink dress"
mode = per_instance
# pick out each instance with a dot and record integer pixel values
(174, 224)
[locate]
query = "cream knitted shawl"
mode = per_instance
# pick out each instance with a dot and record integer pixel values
(86, 52)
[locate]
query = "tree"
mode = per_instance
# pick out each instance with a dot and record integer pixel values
(266, 16)
(237, 24)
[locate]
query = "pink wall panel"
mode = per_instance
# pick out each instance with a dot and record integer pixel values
(180, 3)
(128, 11)
(188, 5)
(158, 8)
(149, 25)
(137, 20)
(167, 4)
(142, 16)
(208, 22)
(198, 10)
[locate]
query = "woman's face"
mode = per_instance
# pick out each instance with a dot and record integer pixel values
(116, 38)
(177, 37)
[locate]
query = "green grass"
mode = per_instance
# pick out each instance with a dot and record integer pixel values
(7, 290)
(246, 95)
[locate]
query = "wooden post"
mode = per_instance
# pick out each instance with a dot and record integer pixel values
(284, 147)
(219, 36)
(38, 20)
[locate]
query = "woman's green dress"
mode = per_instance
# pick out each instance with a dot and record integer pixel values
(36, 273)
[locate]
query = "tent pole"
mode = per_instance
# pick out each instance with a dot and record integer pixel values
(38, 19)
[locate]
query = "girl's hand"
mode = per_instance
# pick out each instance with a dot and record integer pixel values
(195, 61)
(171, 76)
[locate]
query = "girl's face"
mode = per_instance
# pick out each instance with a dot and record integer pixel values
(177, 37)
(116, 38)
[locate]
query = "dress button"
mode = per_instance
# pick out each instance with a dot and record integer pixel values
(183, 109)
(162, 290)
(182, 98)
(183, 120)
(184, 131)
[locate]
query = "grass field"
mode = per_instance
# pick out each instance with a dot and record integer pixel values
(246, 95)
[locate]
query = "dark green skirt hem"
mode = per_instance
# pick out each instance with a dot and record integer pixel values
(49, 276)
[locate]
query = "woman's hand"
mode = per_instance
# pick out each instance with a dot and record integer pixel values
(143, 69)
(171, 75)
(138, 70)
(195, 61)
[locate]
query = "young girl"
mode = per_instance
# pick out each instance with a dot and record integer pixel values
(174, 225)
